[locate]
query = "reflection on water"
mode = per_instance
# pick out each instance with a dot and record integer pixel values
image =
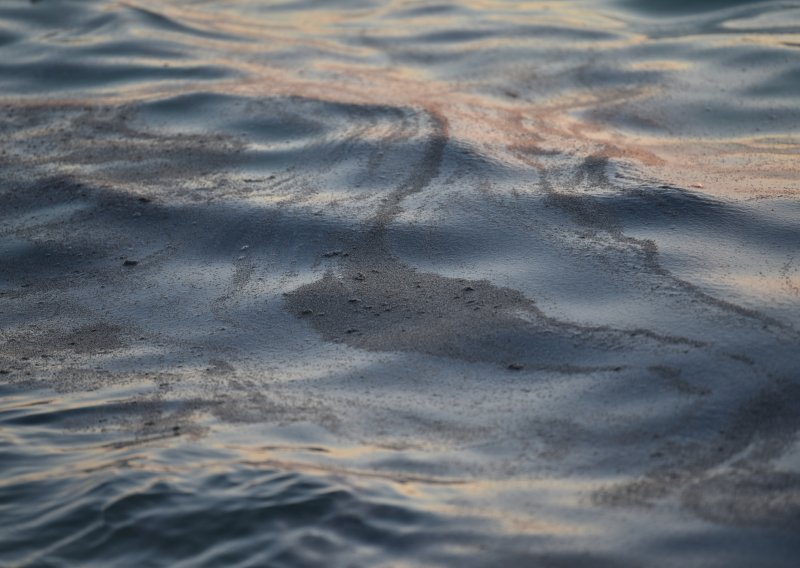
(399, 283)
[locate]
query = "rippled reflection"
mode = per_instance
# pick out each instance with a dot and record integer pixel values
(399, 283)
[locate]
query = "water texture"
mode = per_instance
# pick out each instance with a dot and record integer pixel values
(399, 283)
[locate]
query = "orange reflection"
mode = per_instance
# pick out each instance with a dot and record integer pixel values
(510, 127)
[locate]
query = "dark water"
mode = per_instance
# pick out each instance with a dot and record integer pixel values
(399, 283)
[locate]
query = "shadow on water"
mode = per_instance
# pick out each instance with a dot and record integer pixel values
(686, 7)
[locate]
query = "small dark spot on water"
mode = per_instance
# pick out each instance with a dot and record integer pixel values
(130, 263)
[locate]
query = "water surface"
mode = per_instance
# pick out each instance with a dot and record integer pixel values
(395, 283)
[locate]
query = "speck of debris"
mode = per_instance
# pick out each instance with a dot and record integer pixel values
(130, 263)
(306, 312)
(515, 367)
(332, 253)
(351, 330)
(468, 289)
(144, 199)
(360, 277)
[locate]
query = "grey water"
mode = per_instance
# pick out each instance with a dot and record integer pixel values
(399, 283)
